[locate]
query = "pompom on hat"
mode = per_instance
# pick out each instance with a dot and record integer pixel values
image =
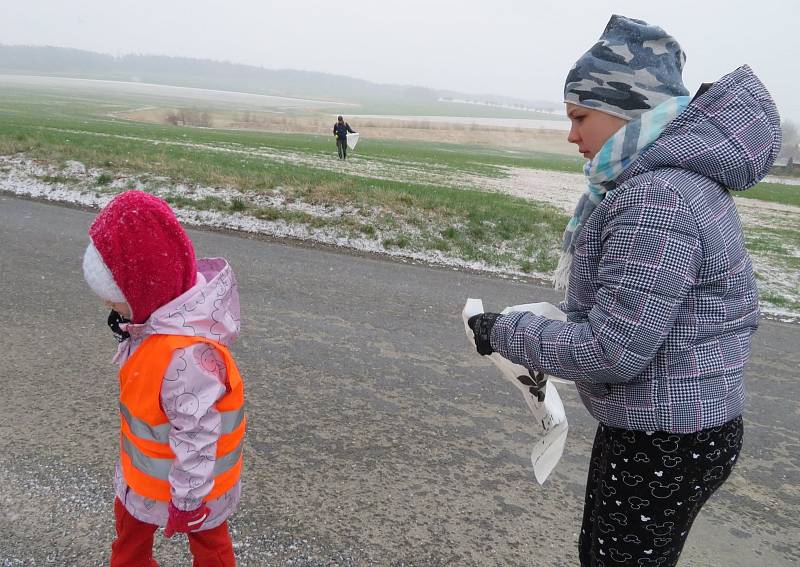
(633, 68)
(139, 254)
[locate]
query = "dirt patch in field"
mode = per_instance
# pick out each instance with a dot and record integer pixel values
(564, 189)
(554, 187)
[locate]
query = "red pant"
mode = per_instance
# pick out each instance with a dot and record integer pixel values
(133, 546)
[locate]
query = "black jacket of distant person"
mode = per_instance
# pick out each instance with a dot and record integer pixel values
(340, 130)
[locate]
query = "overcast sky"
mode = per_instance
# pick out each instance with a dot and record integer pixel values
(521, 48)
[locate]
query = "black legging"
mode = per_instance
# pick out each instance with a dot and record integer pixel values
(341, 146)
(645, 489)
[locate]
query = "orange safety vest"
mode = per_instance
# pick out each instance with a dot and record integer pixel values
(145, 453)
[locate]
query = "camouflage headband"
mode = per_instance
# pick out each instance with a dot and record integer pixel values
(633, 68)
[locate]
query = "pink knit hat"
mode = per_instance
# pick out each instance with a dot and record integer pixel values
(139, 253)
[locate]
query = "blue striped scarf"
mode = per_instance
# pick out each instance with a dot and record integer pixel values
(618, 152)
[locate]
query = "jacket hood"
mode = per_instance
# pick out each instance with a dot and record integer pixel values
(209, 309)
(731, 134)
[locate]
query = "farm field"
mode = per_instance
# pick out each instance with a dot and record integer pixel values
(477, 196)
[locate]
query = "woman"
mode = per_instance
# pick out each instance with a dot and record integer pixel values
(661, 298)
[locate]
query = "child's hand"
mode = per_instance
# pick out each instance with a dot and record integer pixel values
(185, 521)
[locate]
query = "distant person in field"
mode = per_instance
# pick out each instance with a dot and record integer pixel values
(661, 298)
(181, 397)
(340, 130)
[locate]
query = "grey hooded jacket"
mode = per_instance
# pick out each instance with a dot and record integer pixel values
(662, 300)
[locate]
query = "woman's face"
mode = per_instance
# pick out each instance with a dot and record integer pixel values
(591, 128)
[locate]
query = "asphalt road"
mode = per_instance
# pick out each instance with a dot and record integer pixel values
(375, 436)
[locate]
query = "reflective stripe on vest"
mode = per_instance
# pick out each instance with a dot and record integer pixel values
(159, 468)
(145, 453)
(160, 433)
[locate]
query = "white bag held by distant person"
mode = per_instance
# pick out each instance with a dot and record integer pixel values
(547, 409)
(352, 140)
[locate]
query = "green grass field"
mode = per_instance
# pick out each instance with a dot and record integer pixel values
(469, 224)
(774, 193)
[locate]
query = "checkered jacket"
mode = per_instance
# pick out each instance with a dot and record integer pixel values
(662, 301)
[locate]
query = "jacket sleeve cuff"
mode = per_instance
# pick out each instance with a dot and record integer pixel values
(509, 333)
(186, 504)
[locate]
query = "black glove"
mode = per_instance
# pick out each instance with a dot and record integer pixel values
(481, 326)
(114, 321)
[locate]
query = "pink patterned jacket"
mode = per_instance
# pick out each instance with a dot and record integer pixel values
(194, 381)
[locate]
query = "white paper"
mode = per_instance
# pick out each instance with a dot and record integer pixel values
(549, 417)
(352, 140)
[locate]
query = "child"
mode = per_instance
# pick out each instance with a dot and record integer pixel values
(661, 298)
(181, 396)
